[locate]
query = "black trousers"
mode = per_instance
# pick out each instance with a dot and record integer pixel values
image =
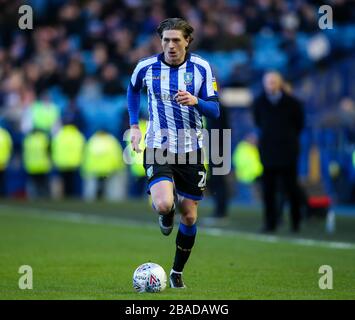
(282, 180)
(39, 185)
(2, 183)
(218, 188)
(69, 179)
(100, 192)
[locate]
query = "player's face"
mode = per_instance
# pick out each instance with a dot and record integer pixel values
(174, 45)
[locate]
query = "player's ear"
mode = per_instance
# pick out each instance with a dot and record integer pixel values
(189, 40)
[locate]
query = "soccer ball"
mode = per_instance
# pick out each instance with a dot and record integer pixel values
(149, 277)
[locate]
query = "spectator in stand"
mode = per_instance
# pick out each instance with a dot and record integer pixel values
(279, 118)
(110, 79)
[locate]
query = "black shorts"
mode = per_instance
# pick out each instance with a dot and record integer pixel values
(186, 171)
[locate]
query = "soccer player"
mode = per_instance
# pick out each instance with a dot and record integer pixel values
(181, 89)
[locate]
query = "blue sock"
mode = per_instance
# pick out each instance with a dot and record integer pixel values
(188, 230)
(185, 240)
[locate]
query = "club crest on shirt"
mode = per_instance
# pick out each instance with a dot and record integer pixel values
(188, 76)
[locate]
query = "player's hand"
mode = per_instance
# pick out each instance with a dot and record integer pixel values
(136, 137)
(185, 98)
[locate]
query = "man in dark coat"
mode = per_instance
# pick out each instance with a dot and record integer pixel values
(280, 119)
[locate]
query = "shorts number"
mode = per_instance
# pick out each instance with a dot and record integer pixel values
(203, 181)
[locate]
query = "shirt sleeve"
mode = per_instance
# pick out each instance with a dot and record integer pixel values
(137, 79)
(133, 93)
(209, 108)
(209, 84)
(133, 102)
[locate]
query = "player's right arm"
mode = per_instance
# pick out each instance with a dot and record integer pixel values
(133, 101)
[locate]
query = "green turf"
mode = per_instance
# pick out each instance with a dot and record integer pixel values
(246, 219)
(82, 260)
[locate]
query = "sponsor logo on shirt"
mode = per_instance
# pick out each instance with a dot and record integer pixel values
(214, 84)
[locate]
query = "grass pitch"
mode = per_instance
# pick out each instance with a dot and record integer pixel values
(93, 256)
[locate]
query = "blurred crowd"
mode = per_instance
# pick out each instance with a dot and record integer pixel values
(76, 62)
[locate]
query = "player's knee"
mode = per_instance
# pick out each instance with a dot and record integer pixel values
(163, 205)
(189, 219)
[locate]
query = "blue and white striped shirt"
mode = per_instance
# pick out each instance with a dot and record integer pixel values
(171, 125)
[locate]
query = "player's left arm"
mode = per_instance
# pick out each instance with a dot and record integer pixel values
(208, 107)
(207, 100)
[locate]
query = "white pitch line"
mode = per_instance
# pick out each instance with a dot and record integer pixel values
(78, 217)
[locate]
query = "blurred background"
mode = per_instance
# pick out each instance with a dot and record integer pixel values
(64, 84)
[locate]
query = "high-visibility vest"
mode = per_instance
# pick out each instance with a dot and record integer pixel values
(67, 148)
(102, 156)
(36, 153)
(5, 148)
(44, 115)
(246, 160)
(136, 167)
